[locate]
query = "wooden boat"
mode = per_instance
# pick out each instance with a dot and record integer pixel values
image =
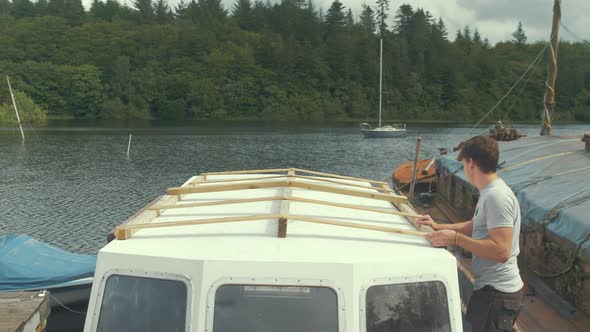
(425, 176)
(274, 250)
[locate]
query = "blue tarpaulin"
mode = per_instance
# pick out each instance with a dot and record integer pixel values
(26, 263)
(551, 179)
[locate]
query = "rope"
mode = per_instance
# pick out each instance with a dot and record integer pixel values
(64, 306)
(570, 265)
(512, 88)
(573, 34)
(549, 177)
(549, 218)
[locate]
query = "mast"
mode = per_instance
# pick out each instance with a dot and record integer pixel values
(552, 71)
(22, 133)
(380, 78)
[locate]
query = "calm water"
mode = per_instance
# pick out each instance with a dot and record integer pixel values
(71, 183)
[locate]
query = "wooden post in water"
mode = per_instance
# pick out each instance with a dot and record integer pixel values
(552, 71)
(415, 170)
(22, 133)
(129, 145)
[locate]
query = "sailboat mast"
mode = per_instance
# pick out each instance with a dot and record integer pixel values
(552, 71)
(22, 133)
(380, 78)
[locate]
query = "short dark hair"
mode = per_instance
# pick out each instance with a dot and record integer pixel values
(483, 151)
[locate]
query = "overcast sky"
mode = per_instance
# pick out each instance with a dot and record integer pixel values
(495, 19)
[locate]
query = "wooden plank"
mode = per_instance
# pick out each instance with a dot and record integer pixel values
(339, 182)
(146, 214)
(343, 191)
(292, 198)
(357, 225)
(124, 232)
(241, 179)
(283, 183)
(337, 176)
(405, 208)
(214, 203)
(227, 187)
(292, 175)
(353, 207)
(24, 311)
(254, 171)
(285, 205)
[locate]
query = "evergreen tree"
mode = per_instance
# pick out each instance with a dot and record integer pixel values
(442, 28)
(367, 19)
(467, 33)
(144, 11)
(349, 19)
(180, 11)
(459, 35)
(477, 37)
(403, 20)
(335, 19)
(382, 14)
(519, 36)
(40, 7)
(4, 7)
(22, 8)
(242, 12)
(162, 12)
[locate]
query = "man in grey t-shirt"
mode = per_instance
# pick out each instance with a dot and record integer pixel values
(492, 236)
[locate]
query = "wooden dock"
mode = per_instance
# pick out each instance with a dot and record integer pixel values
(24, 311)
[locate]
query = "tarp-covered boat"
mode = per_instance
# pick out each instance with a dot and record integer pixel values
(26, 263)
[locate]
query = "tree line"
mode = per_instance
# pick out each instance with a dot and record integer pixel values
(277, 61)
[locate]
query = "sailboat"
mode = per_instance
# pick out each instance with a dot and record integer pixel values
(381, 131)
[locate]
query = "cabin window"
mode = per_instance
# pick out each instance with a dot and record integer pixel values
(258, 308)
(138, 304)
(419, 307)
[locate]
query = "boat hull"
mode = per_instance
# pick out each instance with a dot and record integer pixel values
(382, 133)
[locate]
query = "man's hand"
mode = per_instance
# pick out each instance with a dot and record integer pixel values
(442, 238)
(427, 220)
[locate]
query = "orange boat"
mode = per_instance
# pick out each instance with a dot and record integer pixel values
(425, 176)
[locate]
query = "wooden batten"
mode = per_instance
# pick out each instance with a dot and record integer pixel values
(357, 225)
(291, 175)
(338, 176)
(145, 215)
(214, 203)
(354, 207)
(408, 213)
(124, 232)
(287, 183)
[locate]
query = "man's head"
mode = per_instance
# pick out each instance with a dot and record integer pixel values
(480, 158)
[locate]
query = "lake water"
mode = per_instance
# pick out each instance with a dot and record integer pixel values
(71, 183)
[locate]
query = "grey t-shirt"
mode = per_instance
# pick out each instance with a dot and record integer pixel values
(497, 207)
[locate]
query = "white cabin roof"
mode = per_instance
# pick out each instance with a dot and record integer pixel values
(257, 241)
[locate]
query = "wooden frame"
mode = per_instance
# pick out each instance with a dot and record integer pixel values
(379, 191)
(295, 171)
(287, 198)
(287, 183)
(124, 232)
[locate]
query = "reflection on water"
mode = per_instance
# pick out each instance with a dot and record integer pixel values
(71, 183)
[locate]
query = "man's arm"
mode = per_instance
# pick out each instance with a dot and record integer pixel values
(497, 247)
(462, 227)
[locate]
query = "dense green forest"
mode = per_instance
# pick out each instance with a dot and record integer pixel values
(279, 61)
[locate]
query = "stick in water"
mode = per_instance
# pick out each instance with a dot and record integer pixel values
(129, 145)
